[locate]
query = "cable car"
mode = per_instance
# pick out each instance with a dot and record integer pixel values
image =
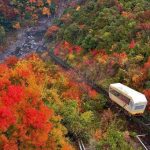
(132, 101)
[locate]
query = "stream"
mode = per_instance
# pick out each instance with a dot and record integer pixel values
(31, 39)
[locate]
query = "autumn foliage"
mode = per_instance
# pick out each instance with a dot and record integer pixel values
(51, 31)
(25, 121)
(14, 12)
(147, 94)
(30, 96)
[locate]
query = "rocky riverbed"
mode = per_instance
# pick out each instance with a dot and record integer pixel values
(31, 39)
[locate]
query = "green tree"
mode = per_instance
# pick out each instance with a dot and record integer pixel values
(114, 140)
(79, 124)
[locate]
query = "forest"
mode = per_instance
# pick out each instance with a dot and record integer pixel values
(44, 106)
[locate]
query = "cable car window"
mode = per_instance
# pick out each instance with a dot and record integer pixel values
(115, 93)
(139, 107)
(125, 99)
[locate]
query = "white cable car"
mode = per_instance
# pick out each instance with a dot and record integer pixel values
(132, 101)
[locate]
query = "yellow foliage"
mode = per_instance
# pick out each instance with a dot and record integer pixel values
(67, 147)
(78, 8)
(71, 56)
(55, 96)
(135, 78)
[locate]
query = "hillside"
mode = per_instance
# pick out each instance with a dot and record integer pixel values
(108, 41)
(46, 106)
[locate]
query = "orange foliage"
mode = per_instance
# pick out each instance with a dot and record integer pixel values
(66, 18)
(73, 92)
(72, 48)
(98, 134)
(11, 61)
(51, 31)
(16, 25)
(127, 15)
(22, 110)
(46, 11)
(49, 2)
(147, 64)
(122, 57)
(40, 3)
(32, 1)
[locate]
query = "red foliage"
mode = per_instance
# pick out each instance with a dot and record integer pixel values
(128, 15)
(147, 94)
(132, 44)
(147, 64)
(72, 48)
(10, 61)
(95, 52)
(13, 95)
(51, 31)
(120, 57)
(119, 6)
(146, 68)
(4, 82)
(144, 26)
(29, 9)
(23, 115)
(100, 52)
(6, 118)
(92, 93)
(78, 49)
(3, 68)
(56, 51)
(73, 92)
(66, 45)
(88, 62)
(35, 118)
(6, 10)
(10, 145)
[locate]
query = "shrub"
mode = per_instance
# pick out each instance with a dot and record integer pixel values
(113, 140)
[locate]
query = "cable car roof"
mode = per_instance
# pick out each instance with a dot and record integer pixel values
(136, 96)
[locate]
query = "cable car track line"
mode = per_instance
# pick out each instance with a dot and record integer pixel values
(68, 67)
(81, 145)
(99, 89)
(146, 147)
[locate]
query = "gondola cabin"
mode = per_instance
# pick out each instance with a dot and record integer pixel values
(132, 101)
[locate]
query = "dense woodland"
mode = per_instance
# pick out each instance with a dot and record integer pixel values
(43, 106)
